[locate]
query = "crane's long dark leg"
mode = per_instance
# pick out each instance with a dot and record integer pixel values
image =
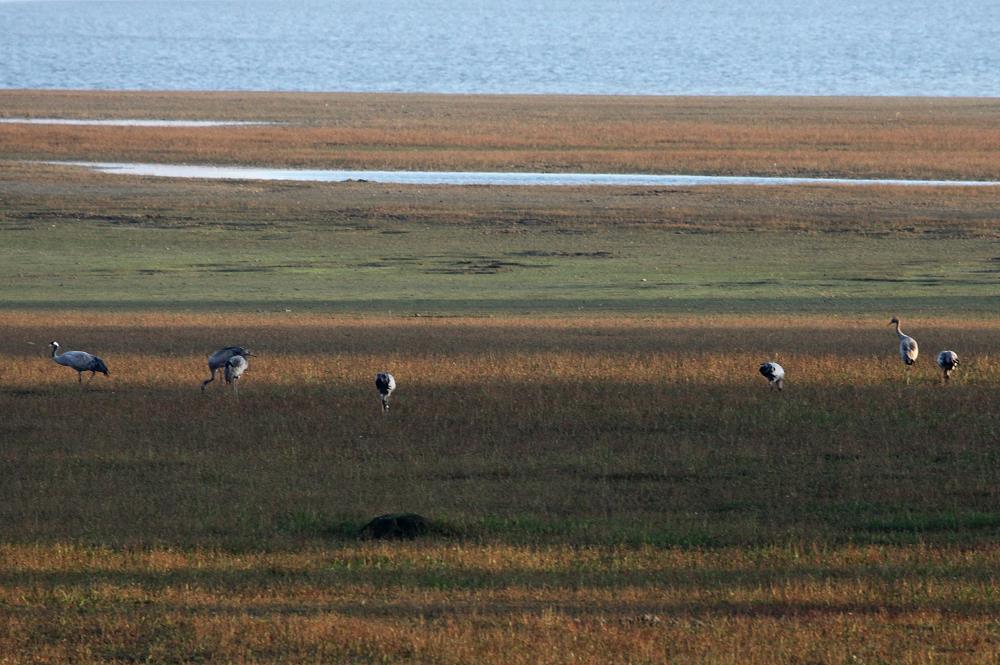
(207, 381)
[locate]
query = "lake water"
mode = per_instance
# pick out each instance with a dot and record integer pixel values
(486, 178)
(129, 123)
(764, 47)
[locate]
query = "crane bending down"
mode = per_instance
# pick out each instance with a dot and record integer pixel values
(947, 361)
(217, 361)
(385, 383)
(235, 367)
(907, 345)
(774, 373)
(81, 361)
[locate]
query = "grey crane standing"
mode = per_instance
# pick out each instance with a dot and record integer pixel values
(81, 361)
(385, 383)
(217, 361)
(947, 361)
(774, 373)
(907, 345)
(908, 349)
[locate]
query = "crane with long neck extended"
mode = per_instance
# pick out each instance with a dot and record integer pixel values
(81, 361)
(908, 349)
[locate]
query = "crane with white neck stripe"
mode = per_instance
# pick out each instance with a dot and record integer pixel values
(81, 361)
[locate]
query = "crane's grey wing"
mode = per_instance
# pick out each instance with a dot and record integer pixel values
(79, 360)
(220, 357)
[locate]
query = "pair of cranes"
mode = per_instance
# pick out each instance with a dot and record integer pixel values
(908, 351)
(231, 361)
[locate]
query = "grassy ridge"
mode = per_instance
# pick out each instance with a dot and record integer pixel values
(888, 137)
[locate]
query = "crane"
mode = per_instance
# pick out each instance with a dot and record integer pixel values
(947, 361)
(385, 383)
(774, 373)
(907, 345)
(81, 361)
(217, 361)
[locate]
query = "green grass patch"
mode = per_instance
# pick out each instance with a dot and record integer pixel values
(436, 270)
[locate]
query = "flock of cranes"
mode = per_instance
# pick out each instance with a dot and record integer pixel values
(908, 352)
(232, 362)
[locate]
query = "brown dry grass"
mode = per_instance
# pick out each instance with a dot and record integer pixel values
(909, 138)
(592, 430)
(461, 604)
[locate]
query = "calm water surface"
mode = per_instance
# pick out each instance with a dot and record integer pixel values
(772, 47)
(129, 123)
(485, 177)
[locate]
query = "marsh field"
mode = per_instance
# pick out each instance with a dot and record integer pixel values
(579, 413)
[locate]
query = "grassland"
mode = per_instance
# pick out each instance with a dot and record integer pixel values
(600, 484)
(75, 239)
(610, 479)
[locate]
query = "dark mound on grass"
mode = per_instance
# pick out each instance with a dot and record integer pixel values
(396, 526)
